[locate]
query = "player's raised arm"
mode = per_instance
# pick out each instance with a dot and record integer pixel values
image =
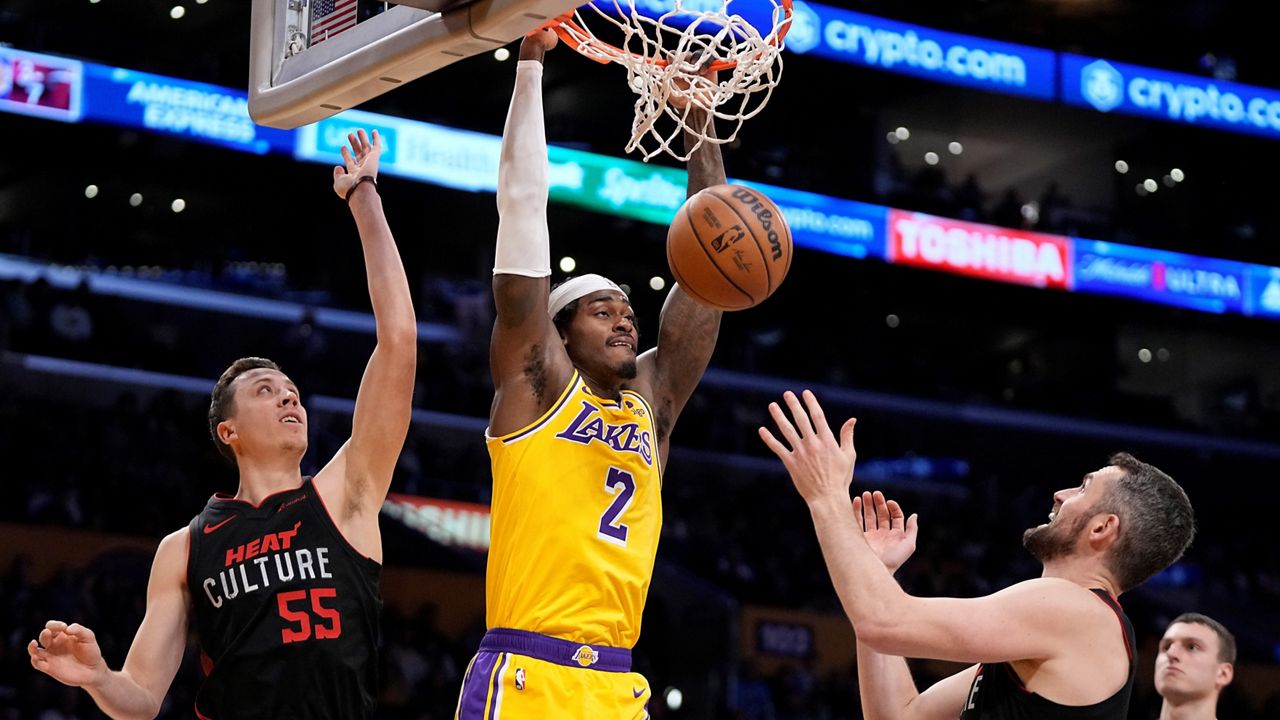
(1036, 619)
(362, 470)
(687, 330)
(527, 359)
(70, 653)
(885, 685)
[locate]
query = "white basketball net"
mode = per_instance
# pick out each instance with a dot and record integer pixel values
(668, 91)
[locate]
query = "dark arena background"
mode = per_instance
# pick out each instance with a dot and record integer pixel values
(1028, 235)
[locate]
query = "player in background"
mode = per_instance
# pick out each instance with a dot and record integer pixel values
(1195, 664)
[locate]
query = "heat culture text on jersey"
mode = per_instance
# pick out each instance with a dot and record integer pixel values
(264, 563)
(588, 425)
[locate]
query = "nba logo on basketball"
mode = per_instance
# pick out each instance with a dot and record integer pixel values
(586, 657)
(722, 241)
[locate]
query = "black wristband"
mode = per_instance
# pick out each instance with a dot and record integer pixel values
(362, 179)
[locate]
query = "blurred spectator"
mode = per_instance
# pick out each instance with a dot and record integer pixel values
(1008, 212)
(70, 322)
(754, 698)
(970, 200)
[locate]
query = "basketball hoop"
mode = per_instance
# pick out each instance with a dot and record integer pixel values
(667, 55)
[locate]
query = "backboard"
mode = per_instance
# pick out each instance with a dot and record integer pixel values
(310, 59)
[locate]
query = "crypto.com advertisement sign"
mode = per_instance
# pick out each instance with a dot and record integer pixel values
(936, 55)
(1109, 86)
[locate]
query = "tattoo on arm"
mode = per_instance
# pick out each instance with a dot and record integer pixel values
(687, 335)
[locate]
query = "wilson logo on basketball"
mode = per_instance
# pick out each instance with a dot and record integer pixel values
(721, 242)
(765, 216)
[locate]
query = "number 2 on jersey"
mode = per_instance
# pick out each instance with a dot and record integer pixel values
(611, 527)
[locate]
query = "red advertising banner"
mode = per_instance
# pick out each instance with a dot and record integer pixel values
(45, 86)
(456, 524)
(982, 251)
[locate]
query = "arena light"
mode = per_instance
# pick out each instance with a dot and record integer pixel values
(178, 205)
(91, 191)
(892, 137)
(657, 283)
(501, 54)
(1150, 185)
(1122, 167)
(892, 320)
(1177, 175)
(902, 133)
(674, 698)
(955, 148)
(931, 157)
(1168, 181)
(567, 264)
(177, 12)
(135, 199)
(1144, 355)
(1162, 354)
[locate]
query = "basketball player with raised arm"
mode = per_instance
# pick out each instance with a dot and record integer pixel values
(578, 436)
(1196, 662)
(1058, 647)
(281, 580)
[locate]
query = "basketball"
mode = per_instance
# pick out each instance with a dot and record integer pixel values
(729, 247)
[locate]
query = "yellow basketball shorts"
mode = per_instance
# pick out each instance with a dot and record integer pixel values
(518, 675)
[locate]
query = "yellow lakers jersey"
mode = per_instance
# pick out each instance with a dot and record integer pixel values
(577, 509)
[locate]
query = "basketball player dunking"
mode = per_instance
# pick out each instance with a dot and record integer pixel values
(281, 580)
(578, 435)
(1057, 647)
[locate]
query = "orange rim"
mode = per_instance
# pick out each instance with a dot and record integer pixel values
(603, 52)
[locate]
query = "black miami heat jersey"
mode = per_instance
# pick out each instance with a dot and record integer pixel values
(998, 694)
(285, 610)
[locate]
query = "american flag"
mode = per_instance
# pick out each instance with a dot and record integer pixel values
(330, 17)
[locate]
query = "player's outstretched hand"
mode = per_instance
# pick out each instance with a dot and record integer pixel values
(68, 653)
(360, 160)
(820, 466)
(891, 535)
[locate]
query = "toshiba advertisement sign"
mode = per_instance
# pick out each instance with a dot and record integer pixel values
(448, 522)
(982, 251)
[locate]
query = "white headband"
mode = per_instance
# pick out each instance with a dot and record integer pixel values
(581, 286)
